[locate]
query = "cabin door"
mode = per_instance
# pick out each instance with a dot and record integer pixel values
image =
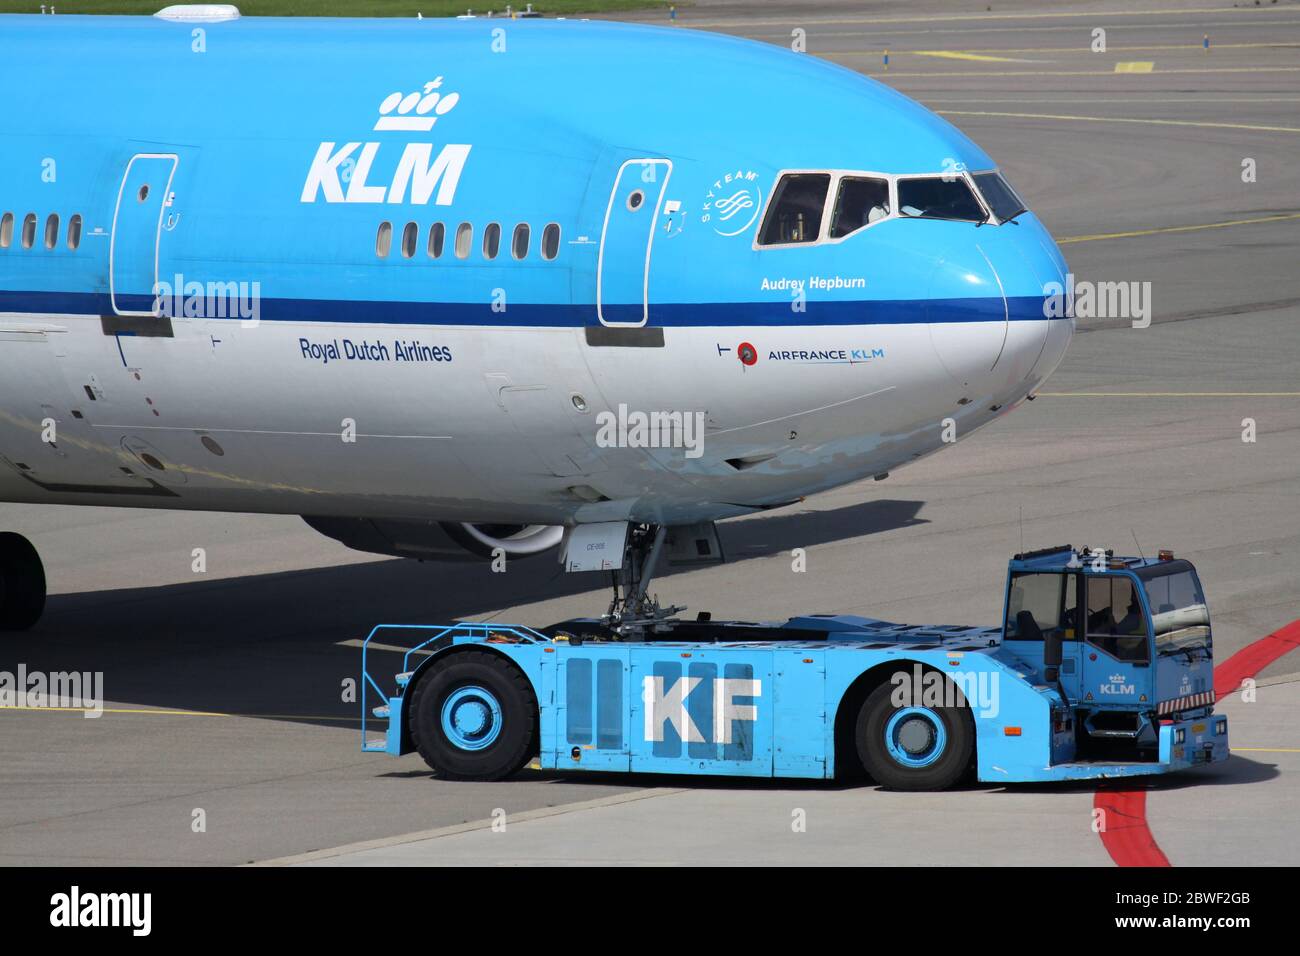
(142, 203)
(627, 242)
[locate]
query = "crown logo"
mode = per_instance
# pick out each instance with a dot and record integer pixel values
(416, 111)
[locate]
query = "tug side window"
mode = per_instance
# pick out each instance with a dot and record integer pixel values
(1040, 604)
(1116, 623)
(795, 214)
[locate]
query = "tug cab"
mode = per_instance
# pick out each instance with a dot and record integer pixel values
(1126, 642)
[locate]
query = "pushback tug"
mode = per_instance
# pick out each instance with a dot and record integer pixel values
(1102, 667)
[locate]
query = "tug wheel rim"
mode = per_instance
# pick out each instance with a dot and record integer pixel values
(471, 717)
(915, 736)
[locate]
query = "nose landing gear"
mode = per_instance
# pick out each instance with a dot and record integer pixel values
(633, 611)
(22, 583)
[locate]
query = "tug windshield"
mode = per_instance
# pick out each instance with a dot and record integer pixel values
(1179, 616)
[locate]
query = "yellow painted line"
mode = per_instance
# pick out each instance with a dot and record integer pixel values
(162, 712)
(1085, 98)
(942, 73)
(1165, 229)
(122, 710)
(1084, 49)
(958, 55)
(1170, 394)
(1123, 119)
(967, 17)
(1135, 66)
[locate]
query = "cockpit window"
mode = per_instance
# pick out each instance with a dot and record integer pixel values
(795, 214)
(999, 195)
(858, 202)
(934, 197)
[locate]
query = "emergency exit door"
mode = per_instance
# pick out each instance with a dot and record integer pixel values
(142, 202)
(627, 241)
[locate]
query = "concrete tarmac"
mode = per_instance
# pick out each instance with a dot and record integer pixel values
(226, 687)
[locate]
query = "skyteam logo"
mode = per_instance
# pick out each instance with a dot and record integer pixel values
(733, 202)
(342, 172)
(416, 111)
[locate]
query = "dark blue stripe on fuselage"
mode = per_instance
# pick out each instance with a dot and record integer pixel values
(704, 314)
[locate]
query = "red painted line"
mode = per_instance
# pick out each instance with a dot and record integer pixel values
(1253, 658)
(1125, 833)
(1126, 836)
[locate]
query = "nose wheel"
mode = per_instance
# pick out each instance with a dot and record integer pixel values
(22, 583)
(633, 611)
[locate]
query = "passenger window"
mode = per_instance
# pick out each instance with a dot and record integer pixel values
(551, 241)
(74, 232)
(934, 198)
(1115, 620)
(491, 240)
(384, 240)
(1040, 604)
(51, 230)
(795, 214)
(437, 235)
(464, 239)
(858, 202)
(29, 230)
(410, 236)
(6, 230)
(519, 245)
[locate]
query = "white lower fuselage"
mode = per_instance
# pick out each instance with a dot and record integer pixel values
(505, 427)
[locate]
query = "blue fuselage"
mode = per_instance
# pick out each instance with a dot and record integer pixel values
(417, 212)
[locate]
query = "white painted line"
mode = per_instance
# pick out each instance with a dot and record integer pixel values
(539, 814)
(358, 642)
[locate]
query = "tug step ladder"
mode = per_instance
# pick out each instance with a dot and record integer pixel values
(426, 634)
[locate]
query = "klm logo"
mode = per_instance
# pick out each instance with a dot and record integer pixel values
(694, 710)
(416, 111)
(1118, 685)
(342, 172)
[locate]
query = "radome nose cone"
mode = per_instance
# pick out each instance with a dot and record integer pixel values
(1028, 266)
(966, 313)
(1039, 250)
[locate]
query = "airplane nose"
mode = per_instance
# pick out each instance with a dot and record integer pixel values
(1060, 328)
(1030, 268)
(966, 314)
(1043, 287)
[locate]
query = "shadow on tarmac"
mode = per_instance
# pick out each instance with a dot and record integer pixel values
(1234, 772)
(268, 645)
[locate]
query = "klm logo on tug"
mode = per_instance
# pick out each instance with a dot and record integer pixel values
(419, 172)
(668, 705)
(1118, 685)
